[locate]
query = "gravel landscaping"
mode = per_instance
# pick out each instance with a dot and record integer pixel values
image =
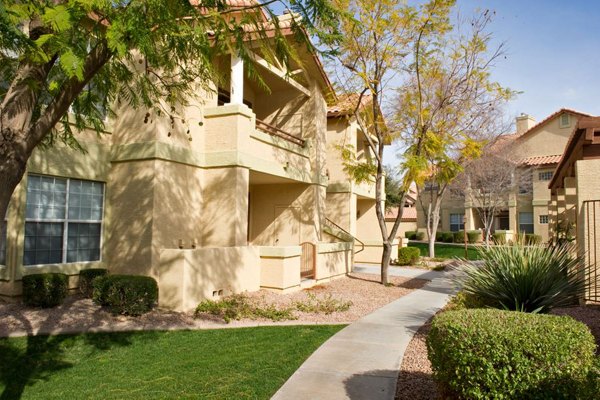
(79, 314)
(415, 381)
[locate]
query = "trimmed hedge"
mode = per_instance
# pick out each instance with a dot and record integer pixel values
(531, 239)
(45, 290)
(438, 236)
(408, 255)
(410, 235)
(447, 237)
(126, 294)
(499, 238)
(459, 236)
(473, 236)
(495, 354)
(420, 236)
(86, 280)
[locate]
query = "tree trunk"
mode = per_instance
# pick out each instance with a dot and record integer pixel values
(432, 248)
(13, 162)
(385, 262)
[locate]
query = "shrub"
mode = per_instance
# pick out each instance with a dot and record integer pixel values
(463, 301)
(410, 235)
(494, 354)
(459, 236)
(525, 278)
(86, 280)
(438, 236)
(325, 304)
(420, 235)
(408, 255)
(532, 240)
(499, 238)
(447, 237)
(238, 306)
(126, 294)
(473, 236)
(45, 290)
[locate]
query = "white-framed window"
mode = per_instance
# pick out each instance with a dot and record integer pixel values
(457, 222)
(63, 220)
(526, 222)
(565, 120)
(545, 176)
(543, 219)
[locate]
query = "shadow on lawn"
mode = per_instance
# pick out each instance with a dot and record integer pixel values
(44, 355)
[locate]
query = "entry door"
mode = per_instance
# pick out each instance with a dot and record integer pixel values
(286, 227)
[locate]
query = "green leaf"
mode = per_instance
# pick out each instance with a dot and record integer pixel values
(58, 18)
(71, 64)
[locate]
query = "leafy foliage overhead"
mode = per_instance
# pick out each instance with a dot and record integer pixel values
(146, 53)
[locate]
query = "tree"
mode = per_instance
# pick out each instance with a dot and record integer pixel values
(488, 182)
(393, 186)
(63, 64)
(377, 38)
(447, 110)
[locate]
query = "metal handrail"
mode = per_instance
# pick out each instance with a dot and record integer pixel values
(362, 244)
(275, 131)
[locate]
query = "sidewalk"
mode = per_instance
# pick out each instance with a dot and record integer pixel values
(362, 360)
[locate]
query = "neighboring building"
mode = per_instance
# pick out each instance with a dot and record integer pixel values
(575, 200)
(408, 223)
(538, 147)
(220, 200)
(351, 205)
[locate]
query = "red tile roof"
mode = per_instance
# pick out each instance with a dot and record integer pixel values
(408, 214)
(541, 160)
(347, 103)
(552, 116)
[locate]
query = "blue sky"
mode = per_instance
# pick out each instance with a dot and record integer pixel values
(553, 53)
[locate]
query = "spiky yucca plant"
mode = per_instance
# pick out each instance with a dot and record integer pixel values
(531, 279)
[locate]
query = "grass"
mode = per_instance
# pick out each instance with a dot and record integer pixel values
(245, 363)
(446, 251)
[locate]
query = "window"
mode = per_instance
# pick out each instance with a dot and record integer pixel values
(457, 222)
(565, 121)
(63, 220)
(545, 176)
(526, 222)
(543, 219)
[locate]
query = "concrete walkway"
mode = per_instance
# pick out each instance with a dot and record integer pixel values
(419, 273)
(362, 360)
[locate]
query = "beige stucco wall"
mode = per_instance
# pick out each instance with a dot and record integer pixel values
(283, 214)
(333, 259)
(549, 139)
(588, 233)
(404, 227)
(187, 277)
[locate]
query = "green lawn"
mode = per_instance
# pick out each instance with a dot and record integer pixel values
(447, 250)
(247, 363)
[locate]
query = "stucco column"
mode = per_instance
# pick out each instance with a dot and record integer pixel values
(237, 80)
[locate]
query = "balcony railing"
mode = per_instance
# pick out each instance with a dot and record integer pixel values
(275, 131)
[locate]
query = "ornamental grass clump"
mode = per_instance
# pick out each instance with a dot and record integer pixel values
(495, 354)
(531, 279)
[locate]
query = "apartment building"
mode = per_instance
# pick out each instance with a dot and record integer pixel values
(350, 204)
(539, 147)
(575, 200)
(231, 195)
